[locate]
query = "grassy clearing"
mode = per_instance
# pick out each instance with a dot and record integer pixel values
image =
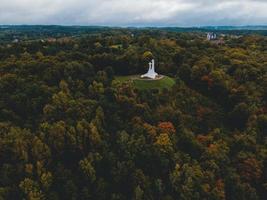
(165, 82)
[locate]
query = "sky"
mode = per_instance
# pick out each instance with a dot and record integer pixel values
(183, 13)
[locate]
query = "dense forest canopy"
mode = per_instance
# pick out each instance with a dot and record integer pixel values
(68, 131)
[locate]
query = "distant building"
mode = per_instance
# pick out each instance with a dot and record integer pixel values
(211, 36)
(51, 40)
(15, 41)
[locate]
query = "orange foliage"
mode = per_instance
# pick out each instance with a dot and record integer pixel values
(207, 79)
(203, 139)
(166, 127)
(213, 148)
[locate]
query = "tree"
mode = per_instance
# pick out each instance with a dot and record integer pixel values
(88, 169)
(239, 116)
(262, 124)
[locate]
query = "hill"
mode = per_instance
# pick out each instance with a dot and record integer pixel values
(143, 84)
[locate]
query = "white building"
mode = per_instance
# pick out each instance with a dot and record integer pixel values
(151, 71)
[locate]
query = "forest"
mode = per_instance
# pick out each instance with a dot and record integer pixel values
(69, 131)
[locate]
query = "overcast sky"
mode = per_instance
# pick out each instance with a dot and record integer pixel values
(134, 12)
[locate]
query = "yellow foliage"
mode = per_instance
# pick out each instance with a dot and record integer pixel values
(163, 141)
(147, 55)
(206, 188)
(46, 180)
(151, 130)
(29, 168)
(94, 134)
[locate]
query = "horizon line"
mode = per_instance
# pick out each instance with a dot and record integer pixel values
(134, 26)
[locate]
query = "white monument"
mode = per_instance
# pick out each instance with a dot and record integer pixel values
(211, 36)
(151, 71)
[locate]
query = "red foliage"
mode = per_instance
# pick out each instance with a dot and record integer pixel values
(250, 169)
(220, 188)
(220, 184)
(202, 112)
(262, 110)
(166, 127)
(203, 139)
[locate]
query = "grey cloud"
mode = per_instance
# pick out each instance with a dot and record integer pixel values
(134, 12)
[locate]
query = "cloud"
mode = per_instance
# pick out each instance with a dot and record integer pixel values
(134, 12)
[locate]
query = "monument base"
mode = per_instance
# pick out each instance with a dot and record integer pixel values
(158, 77)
